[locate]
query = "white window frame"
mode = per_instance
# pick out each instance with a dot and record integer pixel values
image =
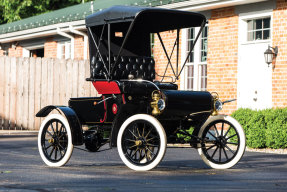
(27, 49)
(26, 52)
(262, 30)
(242, 33)
(68, 48)
(196, 61)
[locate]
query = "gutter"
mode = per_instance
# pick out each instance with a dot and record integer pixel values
(72, 30)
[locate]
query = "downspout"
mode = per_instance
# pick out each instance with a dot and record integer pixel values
(72, 30)
(72, 41)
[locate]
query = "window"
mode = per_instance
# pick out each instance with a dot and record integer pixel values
(37, 53)
(196, 69)
(33, 49)
(258, 29)
(202, 71)
(64, 50)
(203, 48)
(190, 77)
(190, 41)
(152, 44)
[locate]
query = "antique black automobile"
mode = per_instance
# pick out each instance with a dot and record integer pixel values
(135, 113)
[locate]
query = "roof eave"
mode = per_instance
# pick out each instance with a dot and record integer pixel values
(189, 5)
(40, 31)
(200, 5)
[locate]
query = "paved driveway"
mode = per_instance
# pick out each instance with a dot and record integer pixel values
(21, 169)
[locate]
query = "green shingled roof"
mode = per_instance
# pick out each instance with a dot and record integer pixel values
(75, 13)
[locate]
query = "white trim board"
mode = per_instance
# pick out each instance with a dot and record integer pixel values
(198, 5)
(41, 31)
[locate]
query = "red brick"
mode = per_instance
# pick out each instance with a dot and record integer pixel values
(15, 52)
(279, 74)
(50, 48)
(222, 55)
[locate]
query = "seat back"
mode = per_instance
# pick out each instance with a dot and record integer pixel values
(139, 67)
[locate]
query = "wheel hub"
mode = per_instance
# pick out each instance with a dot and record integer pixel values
(140, 143)
(51, 140)
(221, 141)
(54, 140)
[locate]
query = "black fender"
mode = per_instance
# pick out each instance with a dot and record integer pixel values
(71, 116)
(123, 114)
(117, 123)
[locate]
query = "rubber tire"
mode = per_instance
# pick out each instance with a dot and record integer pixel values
(163, 142)
(242, 145)
(70, 147)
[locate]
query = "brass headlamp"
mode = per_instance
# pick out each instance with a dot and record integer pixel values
(157, 103)
(217, 104)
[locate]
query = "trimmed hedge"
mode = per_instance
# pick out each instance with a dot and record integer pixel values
(264, 128)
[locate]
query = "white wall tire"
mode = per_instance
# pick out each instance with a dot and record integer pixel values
(55, 141)
(141, 142)
(229, 155)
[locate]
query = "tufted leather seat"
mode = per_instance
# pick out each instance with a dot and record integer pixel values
(139, 67)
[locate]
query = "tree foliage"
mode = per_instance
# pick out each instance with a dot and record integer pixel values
(13, 10)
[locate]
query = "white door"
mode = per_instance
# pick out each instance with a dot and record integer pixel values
(254, 77)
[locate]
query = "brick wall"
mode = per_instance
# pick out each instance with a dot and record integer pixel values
(159, 55)
(15, 52)
(222, 55)
(79, 47)
(279, 74)
(50, 48)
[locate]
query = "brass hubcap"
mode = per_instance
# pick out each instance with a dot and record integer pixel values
(138, 143)
(51, 140)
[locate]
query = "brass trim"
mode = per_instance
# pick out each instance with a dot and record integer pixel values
(215, 98)
(155, 98)
(200, 112)
(138, 142)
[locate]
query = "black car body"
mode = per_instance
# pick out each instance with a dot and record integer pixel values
(122, 70)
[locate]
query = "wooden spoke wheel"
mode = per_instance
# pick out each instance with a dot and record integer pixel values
(55, 141)
(223, 142)
(141, 142)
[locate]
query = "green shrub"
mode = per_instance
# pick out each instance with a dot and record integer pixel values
(257, 128)
(264, 128)
(254, 126)
(185, 137)
(276, 133)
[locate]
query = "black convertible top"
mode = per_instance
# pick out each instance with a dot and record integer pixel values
(120, 39)
(154, 19)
